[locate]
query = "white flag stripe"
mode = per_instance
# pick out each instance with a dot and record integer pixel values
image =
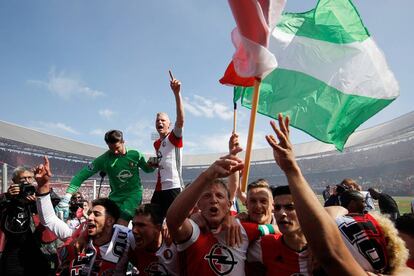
(257, 61)
(357, 68)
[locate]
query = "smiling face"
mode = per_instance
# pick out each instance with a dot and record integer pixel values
(285, 214)
(214, 204)
(146, 233)
(98, 220)
(162, 124)
(259, 205)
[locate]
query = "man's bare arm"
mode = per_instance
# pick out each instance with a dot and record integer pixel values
(176, 88)
(47, 214)
(318, 227)
(177, 221)
(233, 179)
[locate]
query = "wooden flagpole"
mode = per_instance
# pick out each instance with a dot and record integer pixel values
(234, 117)
(253, 112)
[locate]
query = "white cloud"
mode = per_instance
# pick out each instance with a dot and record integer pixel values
(203, 107)
(139, 135)
(66, 87)
(54, 128)
(218, 143)
(97, 132)
(106, 113)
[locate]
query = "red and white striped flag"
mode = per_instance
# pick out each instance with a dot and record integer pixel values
(255, 20)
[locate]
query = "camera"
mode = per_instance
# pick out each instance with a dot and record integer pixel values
(340, 188)
(74, 205)
(26, 189)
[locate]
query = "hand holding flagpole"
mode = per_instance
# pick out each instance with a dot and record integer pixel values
(252, 60)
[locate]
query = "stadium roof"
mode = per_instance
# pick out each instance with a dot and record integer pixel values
(377, 134)
(33, 137)
(388, 130)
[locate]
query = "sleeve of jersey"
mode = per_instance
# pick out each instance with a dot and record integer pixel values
(194, 236)
(255, 231)
(142, 163)
(49, 219)
(84, 174)
(176, 138)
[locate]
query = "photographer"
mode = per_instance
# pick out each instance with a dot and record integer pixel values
(78, 209)
(29, 247)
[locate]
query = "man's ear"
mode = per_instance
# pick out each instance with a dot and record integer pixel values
(110, 220)
(229, 203)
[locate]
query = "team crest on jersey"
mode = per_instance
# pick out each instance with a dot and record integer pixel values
(159, 156)
(131, 165)
(167, 254)
(164, 143)
(90, 167)
(156, 269)
(124, 175)
(220, 259)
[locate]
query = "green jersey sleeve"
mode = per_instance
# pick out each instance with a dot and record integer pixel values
(142, 163)
(86, 172)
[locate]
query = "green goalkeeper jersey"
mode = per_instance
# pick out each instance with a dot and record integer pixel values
(122, 171)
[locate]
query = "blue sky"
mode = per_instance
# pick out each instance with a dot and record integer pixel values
(78, 68)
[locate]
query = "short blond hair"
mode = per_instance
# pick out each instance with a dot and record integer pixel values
(163, 114)
(259, 183)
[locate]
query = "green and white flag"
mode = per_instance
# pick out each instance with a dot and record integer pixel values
(331, 77)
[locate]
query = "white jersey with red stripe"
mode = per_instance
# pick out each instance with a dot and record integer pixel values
(97, 260)
(364, 238)
(206, 254)
(169, 154)
(278, 258)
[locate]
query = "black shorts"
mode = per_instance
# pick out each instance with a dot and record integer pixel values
(165, 198)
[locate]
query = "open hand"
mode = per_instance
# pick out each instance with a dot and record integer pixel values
(282, 150)
(224, 167)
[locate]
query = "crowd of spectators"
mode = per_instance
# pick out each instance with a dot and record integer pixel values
(386, 166)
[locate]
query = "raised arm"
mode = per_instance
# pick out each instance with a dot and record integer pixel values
(176, 88)
(75, 183)
(233, 179)
(318, 227)
(83, 175)
(177, 221)
(45, 209)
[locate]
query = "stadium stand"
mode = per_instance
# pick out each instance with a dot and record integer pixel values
(381, 156)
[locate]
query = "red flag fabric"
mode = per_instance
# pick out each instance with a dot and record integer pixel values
(255, 19)
(231, 78)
